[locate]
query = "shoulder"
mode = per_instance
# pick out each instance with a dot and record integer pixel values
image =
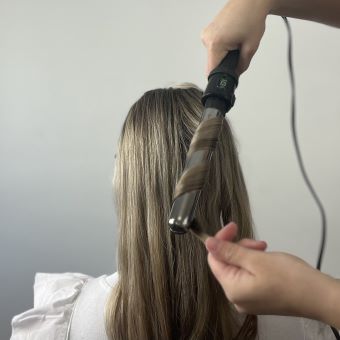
(293, 328)
(88, 321)
(56, 297)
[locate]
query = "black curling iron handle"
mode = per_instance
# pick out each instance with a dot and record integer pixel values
(218, 99)
(228, 64)
(222, 82)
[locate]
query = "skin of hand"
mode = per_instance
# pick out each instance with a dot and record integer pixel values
(239, 25)
(259, 282)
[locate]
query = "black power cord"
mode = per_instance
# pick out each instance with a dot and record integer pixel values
(299, 156)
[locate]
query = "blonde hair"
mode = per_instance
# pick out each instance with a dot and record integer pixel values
(165, 288)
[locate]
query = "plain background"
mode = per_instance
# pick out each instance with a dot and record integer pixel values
(70, 70)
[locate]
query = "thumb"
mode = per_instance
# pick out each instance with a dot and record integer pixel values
(246, 55)
(230, 253)
(228, 232)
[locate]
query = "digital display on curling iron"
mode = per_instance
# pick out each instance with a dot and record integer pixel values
(217, 99)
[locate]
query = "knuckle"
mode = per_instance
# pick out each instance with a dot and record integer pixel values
(210, 39)
(227, 251)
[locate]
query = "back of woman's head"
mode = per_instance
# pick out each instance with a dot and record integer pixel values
(165, 289)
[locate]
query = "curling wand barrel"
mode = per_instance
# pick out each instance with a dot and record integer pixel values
(217, 99)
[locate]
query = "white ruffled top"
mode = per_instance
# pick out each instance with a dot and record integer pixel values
(72, 306)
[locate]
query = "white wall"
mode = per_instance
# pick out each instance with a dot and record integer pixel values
(69, 70)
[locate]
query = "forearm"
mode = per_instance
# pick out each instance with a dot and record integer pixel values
(322, 11)
(321, 299)
(310, 293)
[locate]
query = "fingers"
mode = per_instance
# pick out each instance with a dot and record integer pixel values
(216, 56)
(227, 233)
(231, 253)
(243, 64)
(216, 50)
(253, 244)
(218, 268)
(214, 59)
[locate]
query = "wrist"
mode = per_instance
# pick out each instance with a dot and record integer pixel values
(268, 6)
(314, 297)
(331, 311)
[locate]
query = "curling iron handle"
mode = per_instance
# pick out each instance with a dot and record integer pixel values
(228, 65)
(222, 82)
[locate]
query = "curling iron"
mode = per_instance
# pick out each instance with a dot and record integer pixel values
(217, 99)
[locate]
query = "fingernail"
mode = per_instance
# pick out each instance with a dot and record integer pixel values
(211, 244)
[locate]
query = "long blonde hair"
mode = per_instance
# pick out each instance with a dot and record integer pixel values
(165, 289)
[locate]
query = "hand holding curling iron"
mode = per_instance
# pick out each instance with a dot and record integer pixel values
(240, 25)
